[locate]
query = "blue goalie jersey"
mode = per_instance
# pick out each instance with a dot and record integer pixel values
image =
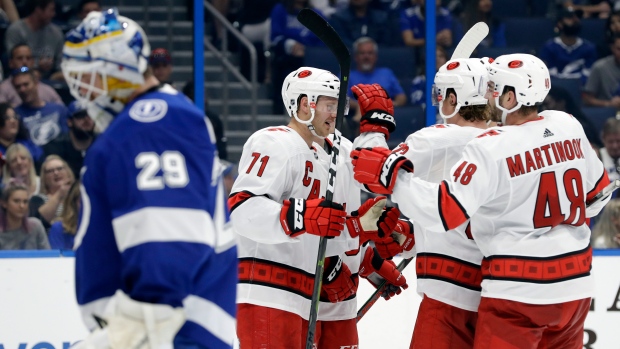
(154, 220)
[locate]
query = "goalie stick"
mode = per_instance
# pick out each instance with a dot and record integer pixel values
(319, 26)
(464, 49)
(608, 190)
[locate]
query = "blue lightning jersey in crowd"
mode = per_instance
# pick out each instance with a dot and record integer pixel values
(154, 220)
(569, 62)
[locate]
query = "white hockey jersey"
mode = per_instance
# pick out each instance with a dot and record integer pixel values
(447, 265)
(524, 189)
(276, 270)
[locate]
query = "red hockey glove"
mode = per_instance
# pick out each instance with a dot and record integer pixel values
(401, 239)
(364, 221)
(376, 109)
(377, 168)
(375, 270)
(315, 217)
(338, 283)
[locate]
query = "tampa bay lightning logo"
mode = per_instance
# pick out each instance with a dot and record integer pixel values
(148, 110)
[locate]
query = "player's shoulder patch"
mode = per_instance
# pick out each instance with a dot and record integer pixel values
(490, 133)
(148, 110)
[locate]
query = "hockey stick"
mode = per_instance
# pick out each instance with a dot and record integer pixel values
(319, 26)
(610, 188)
(379, 291)
(470, 40)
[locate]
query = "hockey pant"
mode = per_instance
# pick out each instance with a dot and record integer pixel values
(505, 324)
(442, 326)
(263, 327)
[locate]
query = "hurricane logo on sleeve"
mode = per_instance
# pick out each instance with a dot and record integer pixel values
(149, 110)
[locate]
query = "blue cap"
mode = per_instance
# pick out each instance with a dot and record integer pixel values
(77, 110)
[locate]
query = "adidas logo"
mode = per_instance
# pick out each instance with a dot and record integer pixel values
(547, 133)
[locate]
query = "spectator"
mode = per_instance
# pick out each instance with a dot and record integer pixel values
(62, 232)
(612, 28)
(606, 231)
(71, 146)
(19, 167)
(481, 11)
(44, 120)
(610, 153)
(12, 130)
(161, 63)
(560, 99)
(604, 79)
(412, 26)
(218, 127)
(229, 174)
(21, 56)
(359, 19)
(57, 179)
(365, 52)
(289, 39)
(87, 6)
(591, 8)
(45, 38)
(418, 85)
(255, 24)
(17, 230)
(568, 56)
(8, 12)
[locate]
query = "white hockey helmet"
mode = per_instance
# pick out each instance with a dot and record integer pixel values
(104, 59)
(526, 73)
(312, 82)
(467, 76)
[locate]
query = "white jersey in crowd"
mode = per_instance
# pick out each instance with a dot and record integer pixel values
(275, 270)
(524, 189)
(447, 265)
(611, 166)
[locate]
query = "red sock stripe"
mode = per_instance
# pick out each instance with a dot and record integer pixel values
(449, 269)
(450, 210)
(539, 270)
(237, 199)
(271, 274)
(602, 183)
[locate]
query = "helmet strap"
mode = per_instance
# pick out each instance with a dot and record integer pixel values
(444, 116)
(506, 111)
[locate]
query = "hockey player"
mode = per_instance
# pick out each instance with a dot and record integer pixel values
(279, 213)
(337, 325)
(524, 187)
(447, 265)
(155, 262)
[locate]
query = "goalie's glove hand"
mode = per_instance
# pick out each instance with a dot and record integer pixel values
(400, 240)
(377, 168)
(375, 270)
(338, 282)
(376, 108)
(315, 216)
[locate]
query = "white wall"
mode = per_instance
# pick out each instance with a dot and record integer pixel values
(38, 309)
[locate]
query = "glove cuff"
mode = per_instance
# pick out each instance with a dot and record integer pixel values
(380, 118)
(365, 126)
(292, 217)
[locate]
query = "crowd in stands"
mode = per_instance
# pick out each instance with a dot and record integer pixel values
(44, 136)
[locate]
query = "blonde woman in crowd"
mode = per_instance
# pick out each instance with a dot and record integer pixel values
(19, 166)
(56, 180)
(17, 230)
(62, 232)
(606, 231)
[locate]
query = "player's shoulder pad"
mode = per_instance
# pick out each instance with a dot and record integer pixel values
(558, 115)
(277, 140)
